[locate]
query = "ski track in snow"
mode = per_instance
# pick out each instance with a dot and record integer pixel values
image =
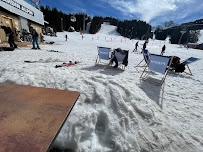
(115, 111)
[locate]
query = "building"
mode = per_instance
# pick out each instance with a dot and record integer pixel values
(19, 15)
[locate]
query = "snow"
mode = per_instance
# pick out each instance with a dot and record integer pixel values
(200, 37)
(116, 111)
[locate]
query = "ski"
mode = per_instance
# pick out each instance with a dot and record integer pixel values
(31, 61)
(67, 64)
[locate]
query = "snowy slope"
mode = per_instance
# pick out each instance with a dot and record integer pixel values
(115, 111)
(107, 29)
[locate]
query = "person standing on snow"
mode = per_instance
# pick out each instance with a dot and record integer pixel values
(34, 37)
(144, 45)
(136, 45)
(9, 33)
(66, 36)
(163, 50)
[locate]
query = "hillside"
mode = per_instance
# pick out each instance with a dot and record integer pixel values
(107, 29)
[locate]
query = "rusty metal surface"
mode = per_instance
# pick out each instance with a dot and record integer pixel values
(31, 116)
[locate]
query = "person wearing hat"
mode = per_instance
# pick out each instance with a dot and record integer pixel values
(9, 33)
(34, 37)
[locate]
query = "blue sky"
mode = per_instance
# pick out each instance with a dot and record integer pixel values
(152, 11)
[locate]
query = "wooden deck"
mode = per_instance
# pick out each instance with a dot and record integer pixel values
(31, 117)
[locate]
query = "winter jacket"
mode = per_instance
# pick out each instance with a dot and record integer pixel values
(7, 30)
(34, 34)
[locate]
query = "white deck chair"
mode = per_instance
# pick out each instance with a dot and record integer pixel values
(104, 54)
(159, 64)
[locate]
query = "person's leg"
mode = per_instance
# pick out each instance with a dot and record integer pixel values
(33, 43)
(116, 62)
(10, 41)
(37, 44)
(15, 45)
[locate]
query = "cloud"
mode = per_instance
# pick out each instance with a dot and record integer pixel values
(146, 9)
(73, 7)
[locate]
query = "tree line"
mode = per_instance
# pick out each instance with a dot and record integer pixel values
(61, 21)
(127, 28)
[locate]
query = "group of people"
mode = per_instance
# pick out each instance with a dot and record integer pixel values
(145, 45)
(175, 65)
(8, 31)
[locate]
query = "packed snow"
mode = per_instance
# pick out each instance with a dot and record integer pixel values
(200, 40)
(116, 111)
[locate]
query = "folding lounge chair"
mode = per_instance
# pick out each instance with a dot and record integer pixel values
(159, 64)
(121, 58)
(146, 57)
(103, 53)
(189, 61)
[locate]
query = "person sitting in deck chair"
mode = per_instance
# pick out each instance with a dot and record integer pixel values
(176, 65)
(114, 59)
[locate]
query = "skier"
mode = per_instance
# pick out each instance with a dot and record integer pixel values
(9, 33)
(163, 50)
(34, 37)
(66, 37)
(144, 45)
(136, 45)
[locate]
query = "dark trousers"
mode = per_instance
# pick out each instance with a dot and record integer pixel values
(11, 41)
(35, 40)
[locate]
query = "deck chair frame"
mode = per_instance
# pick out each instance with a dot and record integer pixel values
(189, 73)
(144, 76)
(145, 59)
(98, 60)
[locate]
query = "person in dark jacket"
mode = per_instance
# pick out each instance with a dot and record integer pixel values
(66, 36)
(9, 33)
(136, 45)
(34, 37)
(144, 45)
(114, 59)
(163, 50)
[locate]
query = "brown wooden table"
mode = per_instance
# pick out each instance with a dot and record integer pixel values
(31, 117)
